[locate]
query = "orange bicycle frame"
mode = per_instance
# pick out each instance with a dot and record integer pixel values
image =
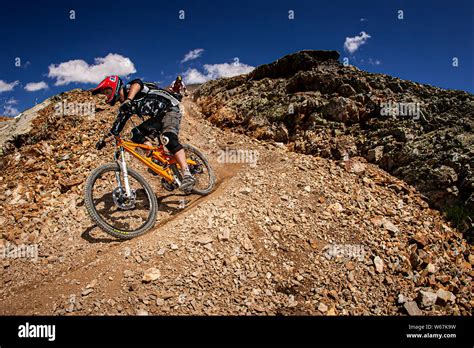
(158, 153)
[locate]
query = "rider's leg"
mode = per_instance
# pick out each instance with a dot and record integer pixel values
(175, 147)
(181, 159)
(145, 129)
(171, 122)
(137, 135)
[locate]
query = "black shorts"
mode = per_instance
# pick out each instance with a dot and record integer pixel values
(155, 126)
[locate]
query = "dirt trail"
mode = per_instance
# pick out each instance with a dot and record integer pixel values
(97, 251)
(260, 244)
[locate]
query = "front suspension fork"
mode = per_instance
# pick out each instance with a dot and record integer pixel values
(123, 168)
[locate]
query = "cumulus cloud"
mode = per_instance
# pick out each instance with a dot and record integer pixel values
(352, 44)
(9, 108)
(192, 55)
(214, 71)
(36, 86)
(194, 76)
(79, 70)
(7, 87)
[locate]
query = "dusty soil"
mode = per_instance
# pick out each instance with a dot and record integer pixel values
(292, 234)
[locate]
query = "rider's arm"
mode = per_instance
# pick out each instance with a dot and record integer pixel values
(135, 87)
(119, 123)
(117, 127)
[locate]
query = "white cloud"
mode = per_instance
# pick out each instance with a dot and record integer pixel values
(214, 71)
(194, 76)
(192, 54)
(11, 101)
(7, 87)
(9, 109)
(80, 71)
(352, 44)
(374, 62)
(36, 86)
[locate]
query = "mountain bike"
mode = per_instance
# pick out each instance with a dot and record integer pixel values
(122, 203)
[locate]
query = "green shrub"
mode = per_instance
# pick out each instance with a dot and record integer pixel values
(460, 216)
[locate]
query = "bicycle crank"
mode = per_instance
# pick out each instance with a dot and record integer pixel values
(168, 186)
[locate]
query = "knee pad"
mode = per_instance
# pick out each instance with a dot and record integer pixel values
(173, 142)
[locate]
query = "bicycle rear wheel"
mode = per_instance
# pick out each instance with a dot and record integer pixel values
(202, 171)
(115, 213)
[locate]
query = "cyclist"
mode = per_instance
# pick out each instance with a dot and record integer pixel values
(146, 99)
(178, 86)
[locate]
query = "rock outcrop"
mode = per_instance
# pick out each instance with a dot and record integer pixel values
(316, 105)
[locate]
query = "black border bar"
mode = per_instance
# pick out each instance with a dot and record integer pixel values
(223, 331)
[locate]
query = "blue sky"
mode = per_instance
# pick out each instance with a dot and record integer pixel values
(147, 39)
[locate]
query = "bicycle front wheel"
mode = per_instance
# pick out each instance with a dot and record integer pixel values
(120, 215)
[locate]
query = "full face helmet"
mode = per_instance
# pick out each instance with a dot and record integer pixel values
(110, 86)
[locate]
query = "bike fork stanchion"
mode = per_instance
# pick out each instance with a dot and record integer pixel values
(123, 166)
(117, 174)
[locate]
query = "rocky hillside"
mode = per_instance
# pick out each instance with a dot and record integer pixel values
(288, 233)
(193, 87)
(315, 105)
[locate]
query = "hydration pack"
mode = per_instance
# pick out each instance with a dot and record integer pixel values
(151, 89)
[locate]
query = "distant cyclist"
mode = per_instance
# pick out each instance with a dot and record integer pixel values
(178, 86)
(146, 99)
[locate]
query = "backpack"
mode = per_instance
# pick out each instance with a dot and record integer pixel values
(151, 89)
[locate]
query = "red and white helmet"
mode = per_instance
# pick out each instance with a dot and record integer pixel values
(115, 83)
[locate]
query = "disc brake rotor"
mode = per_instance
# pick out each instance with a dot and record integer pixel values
(196, 168)
(123, 202)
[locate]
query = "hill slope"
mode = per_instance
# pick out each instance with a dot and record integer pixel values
(292, 234)
(315, 105)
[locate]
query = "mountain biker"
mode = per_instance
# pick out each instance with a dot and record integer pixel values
(146, 99)
(178, 86)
